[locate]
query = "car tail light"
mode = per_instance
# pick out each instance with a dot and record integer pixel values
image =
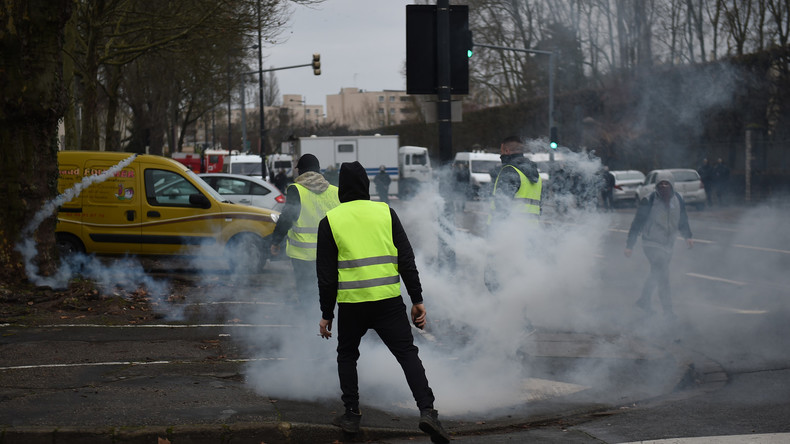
(280, 199)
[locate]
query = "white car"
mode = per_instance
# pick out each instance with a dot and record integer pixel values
(625, 185)
(687, 183)
(246, 190)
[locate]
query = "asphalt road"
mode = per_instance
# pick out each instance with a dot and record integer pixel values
(231, 333)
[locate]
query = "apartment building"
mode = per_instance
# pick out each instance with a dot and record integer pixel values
(362, 110)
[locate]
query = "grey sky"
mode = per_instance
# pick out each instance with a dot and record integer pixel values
(362, 44)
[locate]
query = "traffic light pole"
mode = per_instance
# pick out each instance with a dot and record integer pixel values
(552, 56)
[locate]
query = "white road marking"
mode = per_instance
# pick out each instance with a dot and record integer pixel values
(772, 250)
(155, 326)
(718, 279)
(765, 438)
(110, 363)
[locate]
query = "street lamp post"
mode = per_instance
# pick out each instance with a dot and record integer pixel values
(260, 96)
(552, 56)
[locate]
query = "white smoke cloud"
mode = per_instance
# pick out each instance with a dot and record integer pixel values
(471, 348)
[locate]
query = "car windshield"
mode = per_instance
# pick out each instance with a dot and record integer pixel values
(685, 175)
(485, 166)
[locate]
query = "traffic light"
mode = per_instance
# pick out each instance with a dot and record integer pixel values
(554, 141)
(421, 49)
(317, 64)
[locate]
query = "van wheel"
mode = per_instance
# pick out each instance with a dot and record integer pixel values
(68, 245)
(246, 253)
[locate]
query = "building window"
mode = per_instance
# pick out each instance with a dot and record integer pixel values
(404, 98)
(381, 110)
(307, 110)
(381, 98)
(345, 148)
(392, 110)
(392, 98)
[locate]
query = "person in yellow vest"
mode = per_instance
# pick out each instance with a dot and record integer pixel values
(306, 202)
(518, 186)
(517, 193)
(363, 251)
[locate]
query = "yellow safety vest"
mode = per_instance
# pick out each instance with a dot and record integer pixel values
(303, 235)
(527, 198)
(367, 260)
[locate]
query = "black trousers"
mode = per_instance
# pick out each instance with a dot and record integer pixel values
(306, 281)
(390, 321)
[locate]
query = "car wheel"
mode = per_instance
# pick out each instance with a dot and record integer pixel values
(68, 245)
(246, 253)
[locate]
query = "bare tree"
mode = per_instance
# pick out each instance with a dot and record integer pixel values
(31, 85)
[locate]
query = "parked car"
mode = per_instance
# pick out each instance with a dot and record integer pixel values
(625, 185)
(687, 183)
(246, 190)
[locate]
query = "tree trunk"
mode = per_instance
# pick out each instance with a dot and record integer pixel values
(31, 87)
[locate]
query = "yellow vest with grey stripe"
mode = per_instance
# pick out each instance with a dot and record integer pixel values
(303, 235)
(367, 260)
(527, 198)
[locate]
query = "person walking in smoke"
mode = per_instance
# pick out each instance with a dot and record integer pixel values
(660, 217)
(706, 176)
(517, 192)
(306, 202)
(362, 250)
(607, 194)
(382, 181)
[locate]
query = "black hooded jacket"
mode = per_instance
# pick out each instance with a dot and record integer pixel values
(354, 184)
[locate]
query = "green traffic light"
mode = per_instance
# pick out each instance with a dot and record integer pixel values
(553, 145)
(469, 53)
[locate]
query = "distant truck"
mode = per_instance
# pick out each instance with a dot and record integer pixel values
(408, 166)
(209, 161)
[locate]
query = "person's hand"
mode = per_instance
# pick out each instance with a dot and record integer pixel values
(418, 315)
(275, 249)
(628, 252)
(690, 242)
(325, 328)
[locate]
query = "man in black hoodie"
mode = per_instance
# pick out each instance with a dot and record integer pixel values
(362, 250)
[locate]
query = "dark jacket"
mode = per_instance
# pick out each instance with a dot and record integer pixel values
(354, 185)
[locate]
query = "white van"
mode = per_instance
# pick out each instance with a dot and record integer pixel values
(481, 167)
(245, 164)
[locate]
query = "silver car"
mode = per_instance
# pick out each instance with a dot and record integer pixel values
(687, 183)
(625, 185)
(246, 190)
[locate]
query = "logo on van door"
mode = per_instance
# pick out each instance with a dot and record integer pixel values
(124, 193)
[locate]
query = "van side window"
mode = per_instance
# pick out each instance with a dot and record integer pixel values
(166, 188)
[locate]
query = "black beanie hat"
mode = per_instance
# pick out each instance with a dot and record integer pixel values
(308, 162)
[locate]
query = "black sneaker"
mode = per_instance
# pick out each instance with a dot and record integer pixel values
(348, 421)
(429, 423)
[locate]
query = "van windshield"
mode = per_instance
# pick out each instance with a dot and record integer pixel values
(485, 166)
(246, 168)
(204, 187)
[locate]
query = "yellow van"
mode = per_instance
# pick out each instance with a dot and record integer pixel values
(154, 206)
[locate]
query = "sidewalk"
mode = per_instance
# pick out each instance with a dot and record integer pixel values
(208, 402)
